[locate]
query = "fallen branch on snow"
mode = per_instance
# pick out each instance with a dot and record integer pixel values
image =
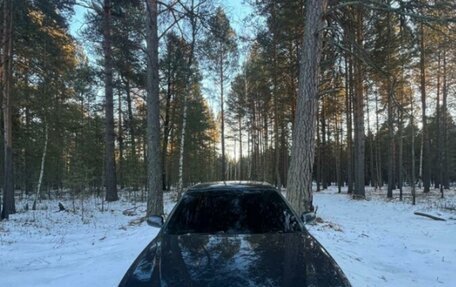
(430, 216)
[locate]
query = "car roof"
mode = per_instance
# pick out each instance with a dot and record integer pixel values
(231, 185)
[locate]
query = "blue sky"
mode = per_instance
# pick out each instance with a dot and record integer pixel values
(237, 11)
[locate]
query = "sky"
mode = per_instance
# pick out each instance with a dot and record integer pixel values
(237, 11)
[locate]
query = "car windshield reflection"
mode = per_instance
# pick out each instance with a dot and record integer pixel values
(246, 212)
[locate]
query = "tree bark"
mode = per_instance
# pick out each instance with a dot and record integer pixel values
(338, 154)
(241, 177)
(154, 174)
(120, 140)
(222, 115)
(372, 177)
(391, 140)
(27, 153)
(187, 95)
(378, 163)
(166, 129)
(278, 180)
(7, 62)
(445, 179)
(131, 125)
(426, 176)
(358, 113)
(180, 184)
(317, 161)
(390, 94)
(412, 128)
(348, 105)
(439, 178)
(400, 154)
(303, 149)
(110, 162)
(323, 148)
(43, 160)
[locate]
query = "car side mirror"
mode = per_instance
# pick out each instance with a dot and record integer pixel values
(308, 217)
(155, 221)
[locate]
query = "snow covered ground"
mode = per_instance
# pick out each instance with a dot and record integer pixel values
(380, 243)
(49, 248)
(377, 243)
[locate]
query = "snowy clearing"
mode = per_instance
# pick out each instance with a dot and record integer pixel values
(385, 244)
(377, 243)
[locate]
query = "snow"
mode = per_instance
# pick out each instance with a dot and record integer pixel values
(49, 248)
(376, 242)
(380, 243)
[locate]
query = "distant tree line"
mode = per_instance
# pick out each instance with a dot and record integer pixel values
(384, 114)
(74, 114)
(368, 100)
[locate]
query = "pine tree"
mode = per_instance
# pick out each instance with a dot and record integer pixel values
(220, 51)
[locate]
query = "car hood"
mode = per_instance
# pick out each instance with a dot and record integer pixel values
(284, 259)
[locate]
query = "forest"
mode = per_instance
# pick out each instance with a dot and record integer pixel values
(335, 120)
(100, 111)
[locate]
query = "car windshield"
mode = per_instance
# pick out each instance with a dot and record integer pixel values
(232, 212)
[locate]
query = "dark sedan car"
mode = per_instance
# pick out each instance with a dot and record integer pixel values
(233, 234)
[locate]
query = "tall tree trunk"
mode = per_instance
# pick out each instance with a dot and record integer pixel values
(38, 194)
(378, 163)
(170, 164)
(241, 177)
(110, 162)
(154, 174)
(303, 149)
(131, 127)
(391, 150)
(6, 72)
(278, 180)
(412, 129)
(27, 153)
(426, 140)
(2, 134)
(222, 115)
(439, 176)
(254, 144)
(348, 104)
(120, 140)
(180, 184)
(445, 179)
(359, 113)
(318, 154)
(249, 154)
(372, 177)
(187, 95)
(166, 130)
(265, 153)
(2, 140)
(400, 153)
(338, 154)
(323, 150)
(390, 93)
